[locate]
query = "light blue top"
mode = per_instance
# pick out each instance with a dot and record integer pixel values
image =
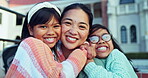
(116, 65)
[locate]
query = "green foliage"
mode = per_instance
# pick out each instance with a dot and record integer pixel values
(140, 55)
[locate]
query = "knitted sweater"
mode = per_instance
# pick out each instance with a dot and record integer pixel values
(116, 65)
(34, 59)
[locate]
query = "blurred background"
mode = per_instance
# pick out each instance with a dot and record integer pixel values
(126, 19)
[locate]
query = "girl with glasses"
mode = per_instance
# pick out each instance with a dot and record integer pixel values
(110, 62)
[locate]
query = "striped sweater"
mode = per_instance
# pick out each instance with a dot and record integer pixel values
(34, 59)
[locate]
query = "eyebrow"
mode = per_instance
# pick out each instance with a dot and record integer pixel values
(72, 20)
(67, 19)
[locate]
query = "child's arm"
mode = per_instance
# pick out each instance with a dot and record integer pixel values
(117, 66)
(76, 60)
(34, 59)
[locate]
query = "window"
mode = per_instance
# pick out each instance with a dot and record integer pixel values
(133, 34)
(123, 34)
(0, 18)
(97, 10)
(19, 20)
(126, 1)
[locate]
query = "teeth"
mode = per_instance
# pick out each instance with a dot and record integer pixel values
(71, 38)
(50, 39)
(102, 48)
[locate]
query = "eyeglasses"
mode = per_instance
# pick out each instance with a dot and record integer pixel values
(96, 39)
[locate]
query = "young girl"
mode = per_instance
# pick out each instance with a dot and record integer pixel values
(34, 58)
(110, 62)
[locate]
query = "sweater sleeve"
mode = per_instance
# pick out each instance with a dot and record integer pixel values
(34, 59)
(117, 66)
(74, 64)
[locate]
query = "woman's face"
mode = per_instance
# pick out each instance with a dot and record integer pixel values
(75, 28)
(49, 33)
(103, 48)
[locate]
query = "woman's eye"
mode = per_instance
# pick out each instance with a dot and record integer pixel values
(67, 23)
(82, 27)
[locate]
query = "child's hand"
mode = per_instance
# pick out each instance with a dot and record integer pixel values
(90, 48)
(89, 60)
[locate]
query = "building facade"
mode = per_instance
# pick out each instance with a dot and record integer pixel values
(10, 25)
(128, 23)
(126, 19)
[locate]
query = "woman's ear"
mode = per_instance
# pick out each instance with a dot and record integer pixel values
(30, 30)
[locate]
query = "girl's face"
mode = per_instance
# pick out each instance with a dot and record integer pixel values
(103, 48)
(49, 33)
(75, 28)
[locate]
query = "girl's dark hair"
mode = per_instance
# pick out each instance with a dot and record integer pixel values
(79, 6)
(96, 27)
(40, 17)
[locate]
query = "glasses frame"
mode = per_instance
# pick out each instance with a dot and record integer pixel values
(99, 38)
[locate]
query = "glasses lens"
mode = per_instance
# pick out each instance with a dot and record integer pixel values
(106, 37)
(94, 39)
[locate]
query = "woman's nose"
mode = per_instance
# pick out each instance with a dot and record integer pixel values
(73, 31)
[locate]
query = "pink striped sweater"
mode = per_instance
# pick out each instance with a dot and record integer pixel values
(34, 59)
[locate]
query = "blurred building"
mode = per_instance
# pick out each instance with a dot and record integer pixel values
(127, 19)
(10, 24)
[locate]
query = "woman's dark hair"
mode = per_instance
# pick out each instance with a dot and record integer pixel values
(96, 27)
(40, 17)
(79, 6)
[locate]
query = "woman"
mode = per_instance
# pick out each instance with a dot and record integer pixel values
(76, 21)
(34, 58)
(110, 60)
